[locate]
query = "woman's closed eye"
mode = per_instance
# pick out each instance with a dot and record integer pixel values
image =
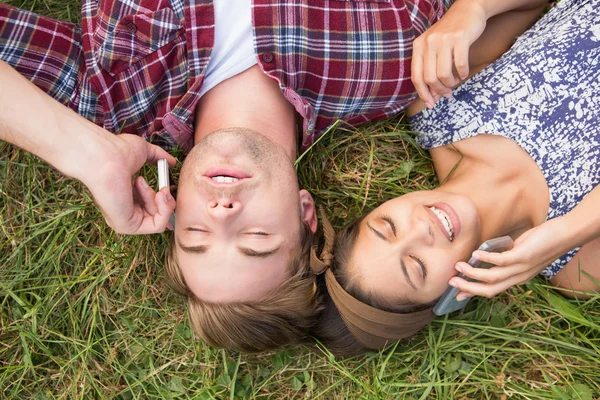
(421, 265)
(388, 220)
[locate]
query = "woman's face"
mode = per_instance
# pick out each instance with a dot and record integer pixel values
(407, 247)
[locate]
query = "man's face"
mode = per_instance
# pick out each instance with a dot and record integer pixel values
(238, 217)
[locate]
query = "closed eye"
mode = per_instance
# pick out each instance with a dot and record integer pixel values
(190, 229)
(389, 221)
(421, 265)
(258, 233)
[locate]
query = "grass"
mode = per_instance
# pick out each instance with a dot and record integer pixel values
(85, 313)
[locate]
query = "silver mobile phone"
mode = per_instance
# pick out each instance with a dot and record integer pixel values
(448, 302)
(163, 181)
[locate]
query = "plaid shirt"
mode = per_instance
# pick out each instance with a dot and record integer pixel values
(138, 66)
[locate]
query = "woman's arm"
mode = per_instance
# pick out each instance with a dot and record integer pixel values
(104, 162)
(441, 55)
(533, 251)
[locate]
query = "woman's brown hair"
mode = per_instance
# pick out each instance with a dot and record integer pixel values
(331, 330)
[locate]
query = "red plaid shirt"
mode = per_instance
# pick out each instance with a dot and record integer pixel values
(143, 61)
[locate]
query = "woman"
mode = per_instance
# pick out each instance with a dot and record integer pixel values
(517, 150)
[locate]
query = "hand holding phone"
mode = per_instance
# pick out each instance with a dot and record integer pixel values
(448, 302)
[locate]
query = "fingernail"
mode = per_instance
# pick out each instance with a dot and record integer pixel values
(448, 95)
(144, 183)
(461, 297)
(476, 254)
(168, 196)
(452, 283)
(458, 268)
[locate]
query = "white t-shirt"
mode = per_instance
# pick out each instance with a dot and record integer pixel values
(233, 50)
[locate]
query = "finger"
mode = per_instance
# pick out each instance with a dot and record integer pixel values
(491, 275)
(461, 59)
(463, 295)
(166, 206)
(417, 75)
(430, 71)
(160, 221)
(155, 153)
(146, 195)
(445, 70)
(505, 258)
(483, 289)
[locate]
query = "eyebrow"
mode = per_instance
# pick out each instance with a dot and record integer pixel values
(253, 253)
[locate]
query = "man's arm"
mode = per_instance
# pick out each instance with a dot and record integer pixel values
(105, 163)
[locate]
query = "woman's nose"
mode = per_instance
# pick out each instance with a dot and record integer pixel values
(423, 230)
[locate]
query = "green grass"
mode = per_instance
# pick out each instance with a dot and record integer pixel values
(85, 313)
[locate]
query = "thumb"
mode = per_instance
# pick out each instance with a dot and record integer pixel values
(166, 203)
(521, 239)
(155, 153)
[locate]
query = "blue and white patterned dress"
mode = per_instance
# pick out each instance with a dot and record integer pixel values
(544, 94)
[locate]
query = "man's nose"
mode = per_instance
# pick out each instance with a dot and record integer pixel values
(224, 208)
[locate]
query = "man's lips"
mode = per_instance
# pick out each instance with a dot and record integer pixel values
(226, 171)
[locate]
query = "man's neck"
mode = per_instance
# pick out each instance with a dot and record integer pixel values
(249, 100)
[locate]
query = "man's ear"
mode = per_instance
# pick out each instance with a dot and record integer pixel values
(308, 212)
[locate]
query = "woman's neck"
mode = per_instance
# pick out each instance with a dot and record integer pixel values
(505, 184)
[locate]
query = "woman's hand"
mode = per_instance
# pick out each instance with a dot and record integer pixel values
(131, 208)
(440, 59)
(533, 251)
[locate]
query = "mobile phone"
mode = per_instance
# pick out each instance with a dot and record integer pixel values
(163, 173)
(163, 181)
(448, 302)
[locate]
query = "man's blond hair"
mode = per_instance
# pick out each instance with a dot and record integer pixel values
(284, 316)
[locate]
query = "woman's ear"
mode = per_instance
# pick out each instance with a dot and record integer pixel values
(307, 210)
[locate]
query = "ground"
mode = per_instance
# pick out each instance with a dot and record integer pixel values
(85, 313)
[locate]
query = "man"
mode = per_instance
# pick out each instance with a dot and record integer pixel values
(233, 82)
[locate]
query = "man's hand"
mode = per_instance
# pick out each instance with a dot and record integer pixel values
(440, 58)
(131, 208)
(533, 251)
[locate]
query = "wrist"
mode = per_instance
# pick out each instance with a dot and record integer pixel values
(480, 7)
(86, 153)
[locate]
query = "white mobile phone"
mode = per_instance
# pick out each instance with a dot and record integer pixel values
(163, 173)
(163, 181)
(448, 302)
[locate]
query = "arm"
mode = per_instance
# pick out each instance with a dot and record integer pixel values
(533, 251)
(104, 162)
(441, 55)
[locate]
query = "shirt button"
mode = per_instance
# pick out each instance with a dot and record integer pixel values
(267, 57)
(131, 27)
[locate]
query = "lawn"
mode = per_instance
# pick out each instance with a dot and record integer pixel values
(85, 313)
